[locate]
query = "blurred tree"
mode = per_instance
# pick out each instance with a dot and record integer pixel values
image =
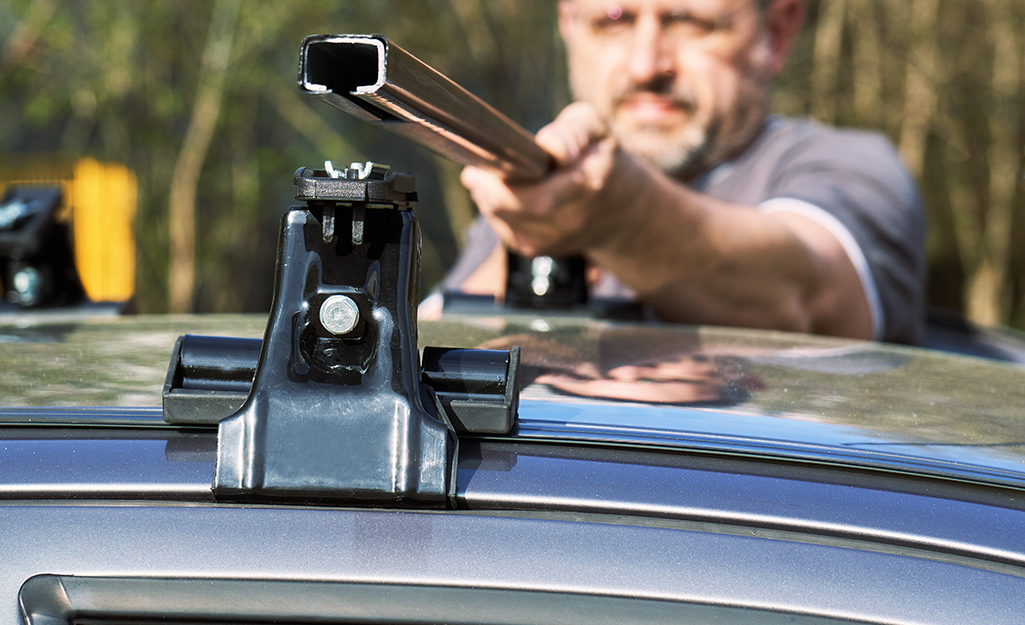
(181, 214)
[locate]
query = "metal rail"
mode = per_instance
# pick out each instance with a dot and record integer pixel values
(377, 81)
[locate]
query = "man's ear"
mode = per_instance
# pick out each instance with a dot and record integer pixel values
(783, 22)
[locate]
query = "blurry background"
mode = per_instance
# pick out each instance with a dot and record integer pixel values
(198, 100)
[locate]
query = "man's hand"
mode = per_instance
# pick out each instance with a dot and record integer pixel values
(563, 213)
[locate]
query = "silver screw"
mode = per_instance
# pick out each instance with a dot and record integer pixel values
(339, 314)
(28, 286)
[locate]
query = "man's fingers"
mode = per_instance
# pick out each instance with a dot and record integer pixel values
(572, 132)
(489, 191)
(598, 163)
(471, 177)
(584, 176)
(585, 119)
(512, 201)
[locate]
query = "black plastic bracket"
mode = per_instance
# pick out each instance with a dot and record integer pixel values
(337, 393)
(209, 378)
(477, 388)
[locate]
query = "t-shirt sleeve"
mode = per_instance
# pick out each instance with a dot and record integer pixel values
(869, 200)
(480, 241)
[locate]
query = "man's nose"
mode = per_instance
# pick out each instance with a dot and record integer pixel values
(649, 57)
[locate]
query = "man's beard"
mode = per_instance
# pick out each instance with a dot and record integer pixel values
(701, 143)
(683, 153)
(677, 151)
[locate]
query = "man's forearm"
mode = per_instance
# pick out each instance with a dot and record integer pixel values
(701, 260)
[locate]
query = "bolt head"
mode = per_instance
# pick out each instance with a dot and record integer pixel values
(339, 314)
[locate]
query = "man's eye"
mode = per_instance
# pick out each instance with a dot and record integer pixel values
(688, 25)
(621, 23)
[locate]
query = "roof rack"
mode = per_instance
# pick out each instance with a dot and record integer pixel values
(336, 407)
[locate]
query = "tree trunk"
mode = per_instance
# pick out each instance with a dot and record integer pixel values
(185, 178)
(868, 65)
(828, 43)
(919, 87)
(987, 288)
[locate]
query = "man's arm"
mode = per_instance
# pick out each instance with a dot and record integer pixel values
(692, 258)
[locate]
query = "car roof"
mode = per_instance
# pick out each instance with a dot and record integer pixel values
(783, 466)
(742, 392)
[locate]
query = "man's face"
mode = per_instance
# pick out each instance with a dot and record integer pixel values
(684, 84)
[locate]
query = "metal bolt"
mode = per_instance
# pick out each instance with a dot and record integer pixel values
(339, 314)
(28, 286)
(541, 268)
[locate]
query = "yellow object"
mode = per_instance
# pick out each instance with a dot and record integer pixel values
(103, 202)
(100, 204)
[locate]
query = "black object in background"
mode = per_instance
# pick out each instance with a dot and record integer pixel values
(36, 253)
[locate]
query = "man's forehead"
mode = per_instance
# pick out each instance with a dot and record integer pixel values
(703, 5)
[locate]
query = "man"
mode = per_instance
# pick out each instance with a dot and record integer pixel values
(674, 181)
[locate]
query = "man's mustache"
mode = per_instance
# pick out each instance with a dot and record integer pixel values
(680, 98)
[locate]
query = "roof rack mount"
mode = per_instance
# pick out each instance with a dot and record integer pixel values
(339, 408)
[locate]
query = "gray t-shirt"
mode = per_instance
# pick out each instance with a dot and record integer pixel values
(851, 182)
